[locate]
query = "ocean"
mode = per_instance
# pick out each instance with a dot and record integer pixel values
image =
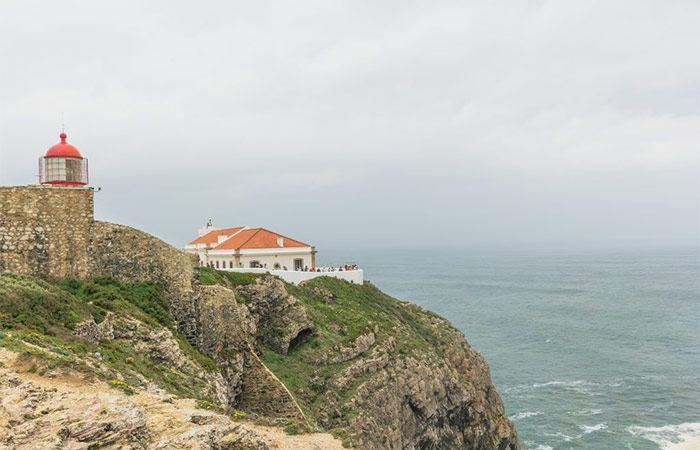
(589, 349)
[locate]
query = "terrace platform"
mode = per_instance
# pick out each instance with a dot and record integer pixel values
(296, 276)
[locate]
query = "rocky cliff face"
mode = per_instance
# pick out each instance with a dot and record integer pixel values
(381, 373)
(277, 319)
(416, 403)
(224, 326)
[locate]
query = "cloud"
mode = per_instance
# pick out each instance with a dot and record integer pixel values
(370, 123)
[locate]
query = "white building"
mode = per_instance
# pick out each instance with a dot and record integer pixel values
(245, 249)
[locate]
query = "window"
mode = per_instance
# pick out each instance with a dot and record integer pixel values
(73, 169)
(217, 264)
(255, 264)
(276, 266)
(55, 169)
(230, 264)
(298, 264)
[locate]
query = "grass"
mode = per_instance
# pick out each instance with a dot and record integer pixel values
(142, 300)
(209, 276)
(37, 319)
(27, 302)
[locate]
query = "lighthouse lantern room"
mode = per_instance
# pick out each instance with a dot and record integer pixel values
(63, 165)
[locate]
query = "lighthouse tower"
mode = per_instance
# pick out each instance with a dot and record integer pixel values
(63, 165)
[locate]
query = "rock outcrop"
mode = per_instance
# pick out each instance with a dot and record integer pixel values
(224, 326)
(360, 345)
(427, 406)
(66, 412)
(277, 318)
(94, 332)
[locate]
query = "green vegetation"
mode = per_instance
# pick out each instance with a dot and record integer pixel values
(33, 304)
(122, 386)
(209, 276)
(37, 319)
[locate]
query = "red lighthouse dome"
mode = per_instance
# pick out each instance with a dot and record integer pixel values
(63, 148)
(63, 165)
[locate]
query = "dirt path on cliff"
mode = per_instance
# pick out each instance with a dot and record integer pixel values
(64, 411)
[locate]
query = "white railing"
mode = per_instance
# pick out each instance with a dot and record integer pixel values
(297, 276)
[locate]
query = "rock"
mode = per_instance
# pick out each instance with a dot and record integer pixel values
(414, 404)
(359, 345)
(278, 317)
(92, 332)
(224, 325)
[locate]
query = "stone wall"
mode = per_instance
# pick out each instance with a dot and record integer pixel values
(46, 231)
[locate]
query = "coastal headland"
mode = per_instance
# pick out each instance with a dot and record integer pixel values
(127, 323)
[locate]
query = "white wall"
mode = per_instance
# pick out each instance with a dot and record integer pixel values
(296, 277)
(283, 256)
(286, 259)
(283, 260)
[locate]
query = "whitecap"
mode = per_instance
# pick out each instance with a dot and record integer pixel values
(560, 435)
(590, 429)
(524, 415)
(544, 447)
(587, 412)
(574, 383)
(555, 383)
(670, 437)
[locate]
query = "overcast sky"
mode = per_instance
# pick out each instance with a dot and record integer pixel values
(366, 123)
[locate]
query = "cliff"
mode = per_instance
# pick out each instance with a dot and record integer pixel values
(122, 307)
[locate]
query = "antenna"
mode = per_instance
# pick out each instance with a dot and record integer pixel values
(63, 123)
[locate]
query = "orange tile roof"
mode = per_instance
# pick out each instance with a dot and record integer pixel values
(213, 236)
(258, 238)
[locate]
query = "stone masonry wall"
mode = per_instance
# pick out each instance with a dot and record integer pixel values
(46, 231)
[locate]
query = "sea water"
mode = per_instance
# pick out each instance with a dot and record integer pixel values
(594, 349)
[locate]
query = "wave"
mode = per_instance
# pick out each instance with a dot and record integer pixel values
(587, 412)
(560, 435)
(524, 415)
(579, 386)
(670, 437)
(590, 429)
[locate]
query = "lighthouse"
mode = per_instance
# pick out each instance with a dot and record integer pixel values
(63, 165)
